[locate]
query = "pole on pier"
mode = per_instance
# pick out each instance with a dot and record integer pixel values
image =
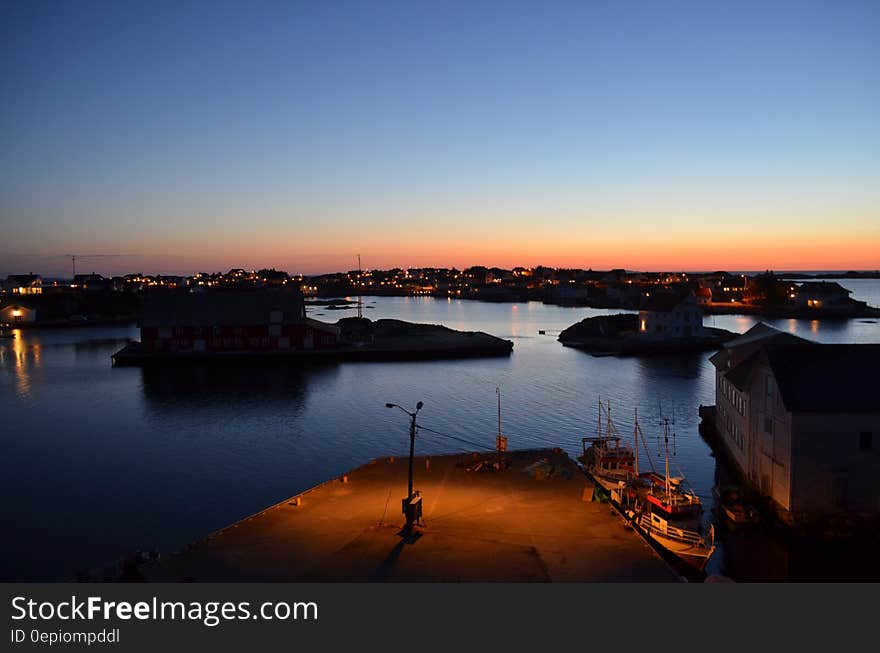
(411, 504)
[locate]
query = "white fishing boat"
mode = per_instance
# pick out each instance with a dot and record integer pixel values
(690, 544)
(670, 514)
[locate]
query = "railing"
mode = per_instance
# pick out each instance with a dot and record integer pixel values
(653, 523)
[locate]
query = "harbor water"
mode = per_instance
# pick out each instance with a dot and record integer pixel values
(99, 461)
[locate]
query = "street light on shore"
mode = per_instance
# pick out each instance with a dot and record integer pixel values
(408, 509)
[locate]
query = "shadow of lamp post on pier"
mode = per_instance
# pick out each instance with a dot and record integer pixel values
(412, 505)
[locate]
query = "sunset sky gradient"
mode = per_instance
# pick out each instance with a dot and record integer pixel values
(646, 135)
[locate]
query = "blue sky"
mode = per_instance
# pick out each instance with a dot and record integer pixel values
(298, 134)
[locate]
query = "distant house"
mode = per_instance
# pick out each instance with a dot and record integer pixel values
(24, 284)
(670, 314)
(821, 294)
(726, 287)
(703, 295)
(92, 282)
(217, 321)
(18, 314)
(800, 421)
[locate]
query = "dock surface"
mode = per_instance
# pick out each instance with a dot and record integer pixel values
(509, 525)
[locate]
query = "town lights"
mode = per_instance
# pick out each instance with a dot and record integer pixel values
(412, 506)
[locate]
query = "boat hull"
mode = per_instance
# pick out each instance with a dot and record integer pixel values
(688, 545)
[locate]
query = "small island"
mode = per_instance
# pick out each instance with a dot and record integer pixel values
(668, 322)
(272, 324)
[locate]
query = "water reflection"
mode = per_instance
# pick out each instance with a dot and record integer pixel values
(18, 359)
(683, 367)
(159, 456)
(193, 387)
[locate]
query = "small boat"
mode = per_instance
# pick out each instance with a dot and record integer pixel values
(737, 513)
(6, 332)
(606, 459)
(734, 511)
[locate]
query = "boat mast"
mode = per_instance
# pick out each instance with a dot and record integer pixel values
(636, 438)
(608, 427)
(666, 443)
(498, 392)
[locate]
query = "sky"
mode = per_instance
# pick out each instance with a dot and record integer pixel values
(186, 136)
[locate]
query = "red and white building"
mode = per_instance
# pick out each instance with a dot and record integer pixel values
(232, 321)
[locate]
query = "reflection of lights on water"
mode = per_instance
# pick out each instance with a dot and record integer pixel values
(792, 325)
(814, 326)
(21, 353)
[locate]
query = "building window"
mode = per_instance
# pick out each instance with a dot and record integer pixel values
(866, 441)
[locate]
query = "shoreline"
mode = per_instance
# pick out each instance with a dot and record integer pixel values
(401, 342)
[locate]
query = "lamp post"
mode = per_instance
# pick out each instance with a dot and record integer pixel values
(412, 446)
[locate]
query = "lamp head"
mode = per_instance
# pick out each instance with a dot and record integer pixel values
(419, 405)
(389, 405)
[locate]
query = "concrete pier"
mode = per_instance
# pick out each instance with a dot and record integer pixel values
(508, 525)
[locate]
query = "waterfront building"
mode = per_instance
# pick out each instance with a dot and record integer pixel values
(217, 321)
(18, 314)
(670, 314)
(799, 420)
(821, 294)
(24, 284)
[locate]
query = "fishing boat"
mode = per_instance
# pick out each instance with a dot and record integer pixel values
(605, 459)
(688, 543)
(671, 515)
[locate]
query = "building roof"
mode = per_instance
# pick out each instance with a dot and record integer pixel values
(817, 378)
(221, 308)
(740, 375)
(823, 288)
(812, 377)
(23, 279)
(737, 350)
(665, 301)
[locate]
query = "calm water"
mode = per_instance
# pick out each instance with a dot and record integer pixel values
(99, 462)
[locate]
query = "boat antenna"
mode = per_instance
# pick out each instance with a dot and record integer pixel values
(636, 440)
(666, 443)
(658, 432)
(500, 441)
(498, 392)
(608, 428)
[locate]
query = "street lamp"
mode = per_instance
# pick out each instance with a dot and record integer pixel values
(408, 501)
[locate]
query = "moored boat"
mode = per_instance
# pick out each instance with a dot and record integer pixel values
(606, 460)
(671, 515)
(690, 544)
